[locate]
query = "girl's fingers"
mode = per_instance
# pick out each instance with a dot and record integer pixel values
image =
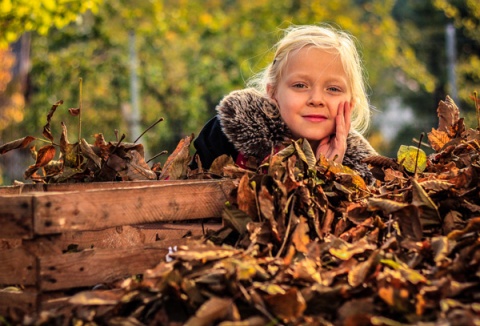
(341, 121)
(348, 116)
(336, 146)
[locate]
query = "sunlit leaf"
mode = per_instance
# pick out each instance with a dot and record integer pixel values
(204, 253)
(347, 251)
(438, 139)
(97, 298)
(409, 274)
(410, 156)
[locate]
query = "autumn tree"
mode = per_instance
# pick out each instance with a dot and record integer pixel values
(190, 55)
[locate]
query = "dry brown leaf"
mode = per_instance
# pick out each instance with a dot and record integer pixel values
(47, 132)
(438, 139)
(246, 198)
(18, 143)
(177, 163)
(212, 310)
(288, 305)
(448, 115)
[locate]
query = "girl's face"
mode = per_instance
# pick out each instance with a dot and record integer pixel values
(308, 94)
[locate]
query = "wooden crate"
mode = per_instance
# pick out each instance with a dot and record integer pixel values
(58, 238)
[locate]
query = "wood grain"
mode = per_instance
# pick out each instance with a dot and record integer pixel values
(17, 267)
(98, 209)
(96, 266)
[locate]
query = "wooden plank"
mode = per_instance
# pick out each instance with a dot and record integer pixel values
(18, 304)
(18, 189)
(103, 208)
(65, 187)
(116, 237)
(96, 266)
(16, 217)
(17, 267)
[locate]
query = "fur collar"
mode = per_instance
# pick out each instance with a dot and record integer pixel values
(245, 120)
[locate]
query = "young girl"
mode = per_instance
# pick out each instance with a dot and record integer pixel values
(313, 89)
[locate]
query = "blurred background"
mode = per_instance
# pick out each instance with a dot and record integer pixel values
(145, 59)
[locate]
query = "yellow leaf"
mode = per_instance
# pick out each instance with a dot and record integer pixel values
(438, 139)
(407, 155)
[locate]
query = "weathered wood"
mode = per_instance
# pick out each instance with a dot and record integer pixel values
(119, 229)
(98, 209)
(83, 186)
(116, 237)
(16, 217)
(95, 266)
(18, 303)
(17, 267)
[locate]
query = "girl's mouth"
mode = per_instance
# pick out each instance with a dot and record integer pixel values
(315, 118)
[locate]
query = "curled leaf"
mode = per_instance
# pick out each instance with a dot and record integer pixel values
(74, 111)
(19, 143)
(44, 156)
(47, 132)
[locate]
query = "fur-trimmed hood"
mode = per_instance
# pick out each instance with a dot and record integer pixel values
(245, 120)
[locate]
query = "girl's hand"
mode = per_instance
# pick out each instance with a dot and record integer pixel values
(335, 146)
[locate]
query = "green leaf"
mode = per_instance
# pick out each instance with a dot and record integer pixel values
(409, 156)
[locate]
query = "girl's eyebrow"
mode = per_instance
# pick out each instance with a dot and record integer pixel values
(300, 75)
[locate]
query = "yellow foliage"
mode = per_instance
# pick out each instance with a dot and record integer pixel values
(409, 156)
(6, 62)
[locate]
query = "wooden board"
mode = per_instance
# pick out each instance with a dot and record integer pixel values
(41, 213)
(95, 266)
(18, 303)
(17, 267)
(16, 217)
(116, 237)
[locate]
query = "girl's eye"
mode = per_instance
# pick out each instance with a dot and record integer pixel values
(334, 89)
(299, 85)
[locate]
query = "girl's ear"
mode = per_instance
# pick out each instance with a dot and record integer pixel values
(271, 92)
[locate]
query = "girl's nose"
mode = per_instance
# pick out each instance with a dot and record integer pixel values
(316, 98)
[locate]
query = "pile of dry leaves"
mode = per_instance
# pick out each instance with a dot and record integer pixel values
(101, 161)
(307, 242)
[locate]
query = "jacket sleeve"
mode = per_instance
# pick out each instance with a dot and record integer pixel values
(212, 143)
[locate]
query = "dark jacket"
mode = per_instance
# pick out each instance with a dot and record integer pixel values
(244, 126)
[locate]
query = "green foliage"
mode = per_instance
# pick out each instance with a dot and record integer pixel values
(18, 16)
(193, 53)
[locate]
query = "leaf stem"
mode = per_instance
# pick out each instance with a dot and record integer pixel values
(418, 154)
(47, 141)
(143, 133)
(80, 110)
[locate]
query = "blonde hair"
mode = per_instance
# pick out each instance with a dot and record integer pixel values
(325, 38)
